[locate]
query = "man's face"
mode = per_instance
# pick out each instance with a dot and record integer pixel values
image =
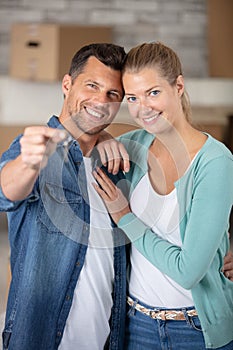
(94, 98)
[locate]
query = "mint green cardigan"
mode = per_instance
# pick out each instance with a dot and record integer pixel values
(205, 197)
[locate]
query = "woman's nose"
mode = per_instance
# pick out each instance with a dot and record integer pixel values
(144, 107)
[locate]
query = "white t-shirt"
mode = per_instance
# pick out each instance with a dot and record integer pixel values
(161, 213)
(87, 326)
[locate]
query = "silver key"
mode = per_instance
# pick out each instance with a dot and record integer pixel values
(66, 143)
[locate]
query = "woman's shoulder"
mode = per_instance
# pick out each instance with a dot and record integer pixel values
(215, 156)
(214, 148)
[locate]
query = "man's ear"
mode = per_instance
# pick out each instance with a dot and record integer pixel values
(180, 85)
(66, 84)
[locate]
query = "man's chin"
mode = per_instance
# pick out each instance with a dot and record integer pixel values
(96, 130)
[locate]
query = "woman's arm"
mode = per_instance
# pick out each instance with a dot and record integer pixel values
(205, 227)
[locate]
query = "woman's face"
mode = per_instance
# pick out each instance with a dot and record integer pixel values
(153, 103)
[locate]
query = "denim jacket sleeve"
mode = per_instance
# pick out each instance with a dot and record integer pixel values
(10, 154)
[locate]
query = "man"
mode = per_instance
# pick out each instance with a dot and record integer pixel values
(65, 282)
(68, 265)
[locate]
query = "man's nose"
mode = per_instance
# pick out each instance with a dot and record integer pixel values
(101, 98)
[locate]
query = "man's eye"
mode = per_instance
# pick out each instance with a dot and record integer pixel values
(93, 86)
(114, 95)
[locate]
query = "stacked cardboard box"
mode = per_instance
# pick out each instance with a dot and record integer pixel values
(43, 52)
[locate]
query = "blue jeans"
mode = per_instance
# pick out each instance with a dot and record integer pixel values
(145, 333)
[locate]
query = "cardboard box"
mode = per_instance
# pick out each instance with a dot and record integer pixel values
(43, 52)
(8, 133)
(220, 32)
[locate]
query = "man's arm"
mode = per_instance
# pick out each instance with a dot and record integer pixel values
(17, 179)
(18, 176)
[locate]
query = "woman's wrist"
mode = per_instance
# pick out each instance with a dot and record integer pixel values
(118, 216)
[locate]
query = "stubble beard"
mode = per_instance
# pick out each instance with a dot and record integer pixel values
(86, 127)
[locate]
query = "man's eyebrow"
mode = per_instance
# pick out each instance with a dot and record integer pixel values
(116, 90)
(97, 83)
(92, 81)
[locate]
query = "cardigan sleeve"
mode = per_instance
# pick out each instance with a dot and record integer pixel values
(207, 222)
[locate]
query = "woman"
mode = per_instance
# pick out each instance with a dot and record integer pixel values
(177, 220)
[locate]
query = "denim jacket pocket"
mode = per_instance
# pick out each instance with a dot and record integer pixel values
(59, 209)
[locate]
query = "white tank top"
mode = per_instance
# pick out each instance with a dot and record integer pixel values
(87, 326)
(146, 282)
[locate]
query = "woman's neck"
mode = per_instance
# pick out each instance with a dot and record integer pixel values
(179, 141)
(171, 154)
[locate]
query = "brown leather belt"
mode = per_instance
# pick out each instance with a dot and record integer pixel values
(174, 315)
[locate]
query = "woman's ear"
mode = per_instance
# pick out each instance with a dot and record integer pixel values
(180, 85)
(66, 84)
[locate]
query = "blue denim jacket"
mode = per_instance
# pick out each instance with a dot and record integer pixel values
(48, 234)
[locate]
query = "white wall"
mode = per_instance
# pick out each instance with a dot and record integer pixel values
(181, 24)
(25, 103)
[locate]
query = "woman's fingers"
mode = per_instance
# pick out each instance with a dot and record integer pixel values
(228, 266)
(105, 183)
(114, 155)
(115, 201)
(124, 158)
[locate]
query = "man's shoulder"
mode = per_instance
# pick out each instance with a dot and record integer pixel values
(54, 122)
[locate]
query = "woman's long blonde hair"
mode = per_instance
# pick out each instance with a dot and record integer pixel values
(164, 59)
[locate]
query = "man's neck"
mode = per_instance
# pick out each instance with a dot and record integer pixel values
(86, 141)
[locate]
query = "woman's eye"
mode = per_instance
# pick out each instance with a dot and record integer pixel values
(131, 99)
(154, 92)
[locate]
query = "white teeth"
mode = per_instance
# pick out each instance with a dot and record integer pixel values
(151, 118)
(94, 113)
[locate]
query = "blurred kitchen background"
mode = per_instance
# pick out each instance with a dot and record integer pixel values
(38, 38)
